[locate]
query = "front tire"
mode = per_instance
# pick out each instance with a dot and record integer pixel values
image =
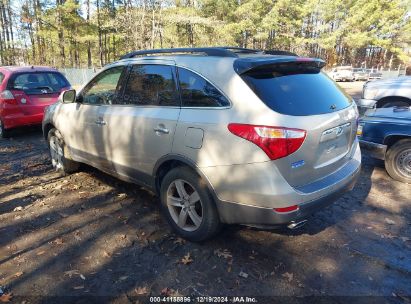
(3, 132)
(60, 156)
(188, 206)
(398, 161)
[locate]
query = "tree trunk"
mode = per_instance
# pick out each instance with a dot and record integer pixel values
(11, 31)
(100, 43)
(89, 60)
(61, 34)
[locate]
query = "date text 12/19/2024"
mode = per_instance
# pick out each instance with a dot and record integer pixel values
(203, 299)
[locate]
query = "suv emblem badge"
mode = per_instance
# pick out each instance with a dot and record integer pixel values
(44, 91)
(333, 107)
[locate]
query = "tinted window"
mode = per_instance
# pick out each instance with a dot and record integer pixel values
(198, 92)
(38, 82)
(295, 90)
(151, 85)
(103, 88)
(1, 77)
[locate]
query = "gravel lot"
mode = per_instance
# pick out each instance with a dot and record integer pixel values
(92, 235)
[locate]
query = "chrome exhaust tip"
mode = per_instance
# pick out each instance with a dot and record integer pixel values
(295, 225)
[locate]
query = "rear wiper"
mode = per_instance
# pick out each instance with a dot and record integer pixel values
(43, 87)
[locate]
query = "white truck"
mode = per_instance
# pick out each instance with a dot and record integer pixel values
(385, 93)
(342, 73)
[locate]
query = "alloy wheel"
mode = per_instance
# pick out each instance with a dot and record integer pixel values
(184, 205)
(56, 152)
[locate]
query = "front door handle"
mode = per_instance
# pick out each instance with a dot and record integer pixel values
(161, 129)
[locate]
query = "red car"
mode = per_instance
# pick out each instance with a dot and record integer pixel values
(25, 92)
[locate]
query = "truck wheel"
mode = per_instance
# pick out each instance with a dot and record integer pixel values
(60, 156)
(188, 206)
(398, 161)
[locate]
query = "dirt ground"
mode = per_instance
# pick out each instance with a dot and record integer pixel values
(90, 238)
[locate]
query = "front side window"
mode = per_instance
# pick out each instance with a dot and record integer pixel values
(104, 88)
(198, 92)
(151, 85)
(33, 83)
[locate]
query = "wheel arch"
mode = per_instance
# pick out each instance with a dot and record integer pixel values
(46, 129)
(387, 99)
(391, 139)
(171, 161)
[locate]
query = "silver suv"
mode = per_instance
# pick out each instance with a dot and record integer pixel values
(223, 135)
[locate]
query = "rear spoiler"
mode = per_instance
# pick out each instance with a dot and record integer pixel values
(244, 65)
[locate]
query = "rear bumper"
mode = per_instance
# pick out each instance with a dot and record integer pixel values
(20, 120)
(266, 217)
(373, 149)
(249, 195)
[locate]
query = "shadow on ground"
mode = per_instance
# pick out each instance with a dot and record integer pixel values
(90, 234)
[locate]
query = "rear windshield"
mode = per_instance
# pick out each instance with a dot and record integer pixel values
(295, 90)
(38, 82)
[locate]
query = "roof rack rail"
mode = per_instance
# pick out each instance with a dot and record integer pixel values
(209, 51)
(224, 51)
(279, 52)
(240, 50)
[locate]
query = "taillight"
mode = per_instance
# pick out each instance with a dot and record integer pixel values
(276, 142)
(6, 94)
(8, 97)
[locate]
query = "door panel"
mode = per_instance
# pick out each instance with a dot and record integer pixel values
(87, 131)
(138, 137)
(140, 127)
(77, 123)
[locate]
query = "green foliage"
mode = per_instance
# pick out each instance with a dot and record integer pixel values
(340, 31)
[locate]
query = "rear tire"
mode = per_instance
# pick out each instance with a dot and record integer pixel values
(188, 206)
(398, 161)
(60, 156)
(3, 132)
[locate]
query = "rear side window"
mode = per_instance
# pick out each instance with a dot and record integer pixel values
(294, 90)
(151, 85)
(1, 77)
(38, 82)
(198, 92)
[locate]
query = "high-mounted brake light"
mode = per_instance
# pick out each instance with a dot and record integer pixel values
(276, 142)
(305, 59)
(286, 209)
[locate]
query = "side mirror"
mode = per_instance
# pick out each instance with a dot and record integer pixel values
(69, 96)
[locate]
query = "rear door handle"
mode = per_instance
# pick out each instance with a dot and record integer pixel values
(161, 129)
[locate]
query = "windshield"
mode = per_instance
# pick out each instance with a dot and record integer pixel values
(39, 82)
(298, 92)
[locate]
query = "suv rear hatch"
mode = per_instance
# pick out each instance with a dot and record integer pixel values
(35, 90)
(310, 101)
